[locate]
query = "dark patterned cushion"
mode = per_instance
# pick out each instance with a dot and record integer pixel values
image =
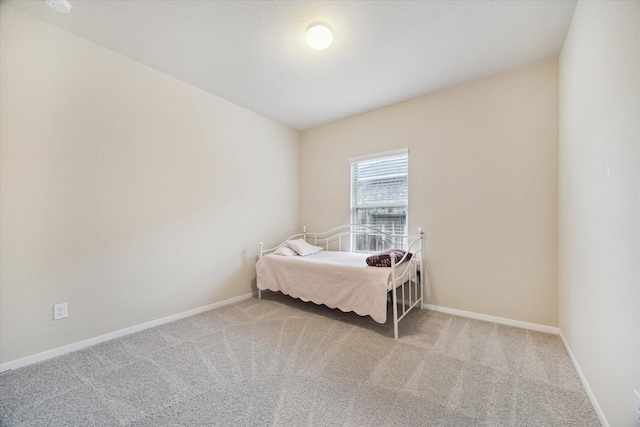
(383, 259)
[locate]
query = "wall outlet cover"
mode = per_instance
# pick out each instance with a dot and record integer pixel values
(60, 311)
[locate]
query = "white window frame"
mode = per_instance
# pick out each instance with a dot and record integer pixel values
(377, 157)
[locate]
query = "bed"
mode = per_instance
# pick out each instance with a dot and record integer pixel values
(337, 276)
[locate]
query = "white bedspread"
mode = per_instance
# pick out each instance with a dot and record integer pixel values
(336, 279)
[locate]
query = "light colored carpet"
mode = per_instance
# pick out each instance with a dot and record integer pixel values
(282, 362)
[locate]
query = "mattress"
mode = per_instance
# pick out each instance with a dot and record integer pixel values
(340, 280)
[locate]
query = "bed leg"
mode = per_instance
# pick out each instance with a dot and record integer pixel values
(421, 284)
(259, 294)
(395, 313)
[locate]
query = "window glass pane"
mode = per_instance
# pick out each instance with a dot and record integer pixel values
(379, 197)
(388, 220)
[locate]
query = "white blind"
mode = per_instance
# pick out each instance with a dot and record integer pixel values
(380, 193)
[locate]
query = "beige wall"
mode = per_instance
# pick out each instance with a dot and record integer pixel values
(482, 182)
(124, 192)
(599, 209)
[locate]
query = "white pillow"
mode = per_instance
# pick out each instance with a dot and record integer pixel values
(303, 248)
(285, 251)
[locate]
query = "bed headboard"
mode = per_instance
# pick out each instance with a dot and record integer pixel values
(355, 238)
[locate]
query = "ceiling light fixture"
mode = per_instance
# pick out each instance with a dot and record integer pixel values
(319, 36)
(62, 6)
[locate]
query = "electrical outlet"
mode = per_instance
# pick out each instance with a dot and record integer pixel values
(60, 311)
(636, 407)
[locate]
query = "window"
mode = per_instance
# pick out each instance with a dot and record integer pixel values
(380, 194)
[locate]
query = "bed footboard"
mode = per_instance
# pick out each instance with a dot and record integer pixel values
(408, 281)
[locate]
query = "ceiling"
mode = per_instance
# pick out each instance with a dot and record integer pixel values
(253, 53)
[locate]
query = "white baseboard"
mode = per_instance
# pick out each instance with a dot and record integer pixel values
(494, 319)
(14, 364)
(585, 384)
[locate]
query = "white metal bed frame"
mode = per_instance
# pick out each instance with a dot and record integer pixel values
(408, 277)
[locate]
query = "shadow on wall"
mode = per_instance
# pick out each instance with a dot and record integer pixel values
(171, 269)
(430, 296)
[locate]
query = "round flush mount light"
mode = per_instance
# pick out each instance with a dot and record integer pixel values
(62, 6)
(319, 36)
